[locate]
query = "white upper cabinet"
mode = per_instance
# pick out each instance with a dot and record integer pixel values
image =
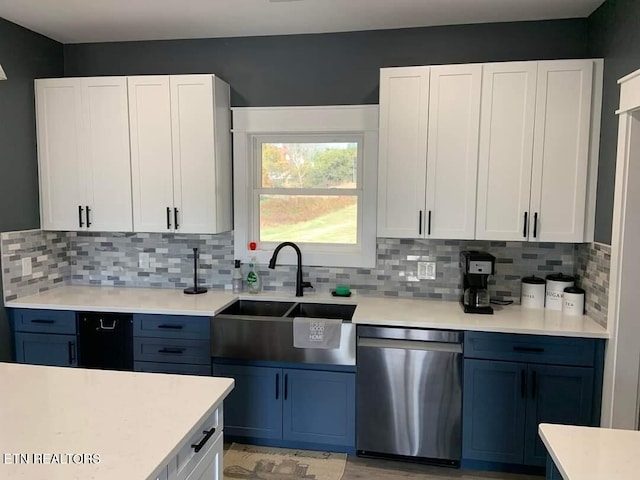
(83, 154)
(535, 146)
(402, 166)
(429, 122)
(151, 153)
(180, 153)
(59, 130)
(561, 150)
(452, 151)
(506, 150)
(106, 154)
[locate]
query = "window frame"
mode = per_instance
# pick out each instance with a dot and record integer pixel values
(255, 126)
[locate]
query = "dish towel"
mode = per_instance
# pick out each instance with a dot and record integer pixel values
(316, 332)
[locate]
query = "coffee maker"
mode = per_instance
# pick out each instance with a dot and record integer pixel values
(476, 268)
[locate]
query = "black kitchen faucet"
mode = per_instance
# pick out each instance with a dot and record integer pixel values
(300, 285)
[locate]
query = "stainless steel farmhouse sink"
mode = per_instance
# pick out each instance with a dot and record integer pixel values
(263, 330)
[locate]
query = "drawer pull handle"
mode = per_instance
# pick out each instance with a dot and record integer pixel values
(39, 320)
(174, 351)
(529, 349)
(207, 435)
(72, 347)
(170, 326)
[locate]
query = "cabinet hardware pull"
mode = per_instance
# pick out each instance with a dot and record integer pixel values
(277, 385)
(170, 326)
(207, 435)
(523, 383)
(80, 211)
(528, 349)
(71, 349)
(175, 218)
(420, 223)
(534, 384)
(429, 224)
(286, 385)
(524, 230)
(88, 217)
(535, 225)
(168, 218)
(38, 320)
(175, 351)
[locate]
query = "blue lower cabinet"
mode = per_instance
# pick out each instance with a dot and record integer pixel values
(319, 407)
(46, 349)
(556, 395)
(289, 406)
(552, 472)
(176, 368)
(254, 406)
(494, 411)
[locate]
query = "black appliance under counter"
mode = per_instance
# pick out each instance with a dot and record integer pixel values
(105, 341)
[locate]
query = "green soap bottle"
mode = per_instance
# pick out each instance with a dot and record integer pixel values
(253, 279)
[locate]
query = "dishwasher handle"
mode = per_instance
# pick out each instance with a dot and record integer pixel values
(410, 345)
(413, 334)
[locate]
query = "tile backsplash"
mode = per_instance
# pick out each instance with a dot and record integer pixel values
(592, 269)
(48, 255)
(87, 258)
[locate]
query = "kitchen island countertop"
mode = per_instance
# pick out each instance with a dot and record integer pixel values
(591, 453)
(379, 311)
(121, 425)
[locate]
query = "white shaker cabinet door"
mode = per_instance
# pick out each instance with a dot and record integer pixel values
(107, 158)
(151, 153)
(201, 167)
(59, 131)
(452, 151)
(506, 150)
(561, 150)
(404, 101)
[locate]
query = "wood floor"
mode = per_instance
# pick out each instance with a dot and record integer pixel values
(371, 469)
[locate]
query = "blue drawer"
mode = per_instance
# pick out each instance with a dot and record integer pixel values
(180, 368)
(44, 321)
(171, 326)
(530, 348)
(172, 351)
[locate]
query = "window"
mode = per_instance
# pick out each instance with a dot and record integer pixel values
(315, 188)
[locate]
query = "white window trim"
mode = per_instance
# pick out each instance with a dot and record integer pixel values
(249, 124)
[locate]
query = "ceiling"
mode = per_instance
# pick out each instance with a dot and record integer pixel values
(82, 21)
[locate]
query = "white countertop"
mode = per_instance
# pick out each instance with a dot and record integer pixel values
(379, 311)
(590, 453)
(135, 422)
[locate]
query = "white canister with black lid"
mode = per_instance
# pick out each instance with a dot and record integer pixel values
(556, 283)
(532, 293)
(573, 301)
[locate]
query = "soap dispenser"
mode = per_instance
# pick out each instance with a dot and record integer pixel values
(237, 281)
(253, 279)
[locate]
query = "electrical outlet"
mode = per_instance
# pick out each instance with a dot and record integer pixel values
(426, 270)
(143, 261)
(26, 266)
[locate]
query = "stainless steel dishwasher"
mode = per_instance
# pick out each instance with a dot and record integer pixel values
(409, 394)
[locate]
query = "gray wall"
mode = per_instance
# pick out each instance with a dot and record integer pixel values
(339, 68)
(24, 55)
(614, 33)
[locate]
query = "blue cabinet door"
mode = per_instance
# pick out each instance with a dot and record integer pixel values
(493, 413)
(319, 407)
(556, 395)
(46, 349)
(254, 406)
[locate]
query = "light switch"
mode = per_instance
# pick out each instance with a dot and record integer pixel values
(26, 266)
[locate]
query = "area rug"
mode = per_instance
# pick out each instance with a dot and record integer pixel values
(267, 463)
